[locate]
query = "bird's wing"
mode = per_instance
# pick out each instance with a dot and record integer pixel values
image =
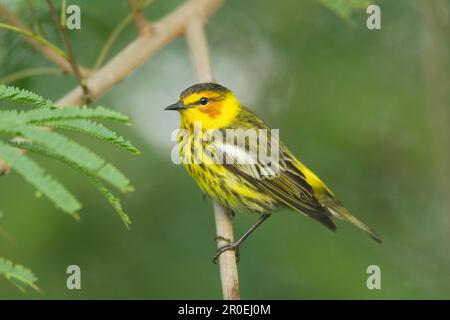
(279, 176)
(287, 179)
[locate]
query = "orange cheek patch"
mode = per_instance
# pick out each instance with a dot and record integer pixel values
(212, 110)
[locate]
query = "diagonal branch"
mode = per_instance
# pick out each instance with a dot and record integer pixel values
(39, 39)
(140, 50)
(190, 18)
(30, 72)
(46, 51)
(127, 61)
(134, 55)
(111, 40)
(70, 55)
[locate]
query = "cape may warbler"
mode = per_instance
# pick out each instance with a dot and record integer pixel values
(238, 161)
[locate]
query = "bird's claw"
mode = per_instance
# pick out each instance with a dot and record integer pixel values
(223, 239)
(230, 246)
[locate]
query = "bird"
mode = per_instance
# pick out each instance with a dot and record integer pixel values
(235, 176)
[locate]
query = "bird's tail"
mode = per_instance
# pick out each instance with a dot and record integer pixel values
(339, 211)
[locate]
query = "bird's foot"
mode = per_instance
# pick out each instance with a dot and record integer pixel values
(230, 246)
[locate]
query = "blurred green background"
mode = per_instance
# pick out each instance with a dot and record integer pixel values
(357, 106)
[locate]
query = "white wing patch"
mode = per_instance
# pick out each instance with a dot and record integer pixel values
(249, 161)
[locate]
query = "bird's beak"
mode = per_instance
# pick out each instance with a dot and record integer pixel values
(176, 106)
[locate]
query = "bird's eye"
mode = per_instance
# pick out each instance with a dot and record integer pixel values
(203, 101)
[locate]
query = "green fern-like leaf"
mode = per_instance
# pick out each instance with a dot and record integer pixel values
(94, 129)
(10, 122)
(34, 174)
(17, 95)
(114, 201)
(82, 156)
(112, 175)
(32, 127)
(43, 115)
(18, 275)
(64, 147)
(345, 8)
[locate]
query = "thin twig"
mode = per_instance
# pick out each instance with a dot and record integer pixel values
(111, 40)
(71, 56)
(198, 48)
(63, 15)
(142, 25)
(35, 37)
(227, 260)
(34, 19)
(4, 168)
(115, 35)
(30, 72)
(42, 46)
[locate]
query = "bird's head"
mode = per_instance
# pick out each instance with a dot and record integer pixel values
(209, 103)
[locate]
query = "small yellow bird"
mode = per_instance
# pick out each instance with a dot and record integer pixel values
(244, 181)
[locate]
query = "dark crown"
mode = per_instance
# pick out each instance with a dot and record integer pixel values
(200, 87)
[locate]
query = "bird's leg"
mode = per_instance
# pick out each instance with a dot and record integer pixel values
(235, 245)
